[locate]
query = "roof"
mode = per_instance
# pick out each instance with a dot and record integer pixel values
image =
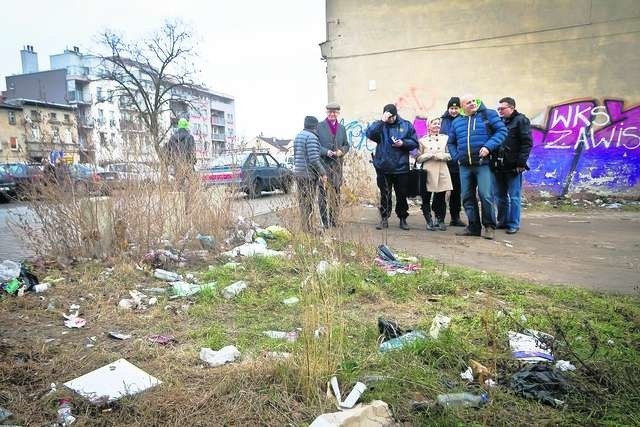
(10, 107)
(19, 102)
(280, 144)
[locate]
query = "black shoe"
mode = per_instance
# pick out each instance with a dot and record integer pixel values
(382, 224)
(429, 223)
(466, 232)
(403, 224)
(456, 222)
(512, 230)
(501, 227)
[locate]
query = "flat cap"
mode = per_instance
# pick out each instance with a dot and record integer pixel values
(333, 106)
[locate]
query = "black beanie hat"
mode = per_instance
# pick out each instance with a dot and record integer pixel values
(390, 108)
(454, 102)
(310, 122)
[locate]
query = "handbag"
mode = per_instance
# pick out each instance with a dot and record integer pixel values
(417, 180)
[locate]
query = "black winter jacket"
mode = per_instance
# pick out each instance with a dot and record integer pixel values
(518, 142)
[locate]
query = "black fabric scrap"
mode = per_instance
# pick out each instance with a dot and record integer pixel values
(540, 382)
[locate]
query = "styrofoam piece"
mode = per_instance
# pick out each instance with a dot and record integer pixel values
(112, 381)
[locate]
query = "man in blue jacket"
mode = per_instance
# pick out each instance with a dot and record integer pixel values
(473, 136)
(394, 137)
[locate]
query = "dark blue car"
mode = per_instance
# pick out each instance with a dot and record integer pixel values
(252, 172)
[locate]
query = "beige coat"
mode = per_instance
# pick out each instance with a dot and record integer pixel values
(434, 156)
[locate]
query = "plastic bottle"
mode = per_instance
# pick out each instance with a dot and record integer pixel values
(65, 416)
(41, 287)
(451, 400)
(353, 397)
(400, 342)
(169, 276)
(234, 289)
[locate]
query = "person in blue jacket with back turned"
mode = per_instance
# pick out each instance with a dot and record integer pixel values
(395, 138)
(473, 136)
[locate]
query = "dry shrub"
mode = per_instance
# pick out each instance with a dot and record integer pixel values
(135, 215)
(359, 179)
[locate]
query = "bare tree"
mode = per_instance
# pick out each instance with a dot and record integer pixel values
(152, 76)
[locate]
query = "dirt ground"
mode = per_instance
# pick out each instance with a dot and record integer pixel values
(595, 249)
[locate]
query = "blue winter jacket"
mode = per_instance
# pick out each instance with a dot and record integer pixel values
(387, 158)
(468, 135)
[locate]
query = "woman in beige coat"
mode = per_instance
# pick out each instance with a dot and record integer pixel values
(433, 157)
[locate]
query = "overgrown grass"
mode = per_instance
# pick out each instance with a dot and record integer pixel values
(598, 333)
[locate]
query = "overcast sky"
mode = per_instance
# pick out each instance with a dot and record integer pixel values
(264, 53)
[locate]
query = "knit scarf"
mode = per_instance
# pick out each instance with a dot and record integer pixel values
(333, 127)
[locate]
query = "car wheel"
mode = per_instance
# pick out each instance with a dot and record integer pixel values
(256, 189)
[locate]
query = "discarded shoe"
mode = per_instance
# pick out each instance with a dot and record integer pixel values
(489, 233)
(457, 222)
(384, 223)
(403, 224)
(467, 232)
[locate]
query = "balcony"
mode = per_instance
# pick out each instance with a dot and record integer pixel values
(217, 137)
(85, 123)
(76, 97)
(217, 120)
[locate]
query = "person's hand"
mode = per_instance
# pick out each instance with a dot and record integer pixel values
(339, 153)
(484, 152)
(397, 142)
(386, 116)
(331, 153)
(520, 169)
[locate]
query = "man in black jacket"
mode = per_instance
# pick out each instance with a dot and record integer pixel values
(508, 179)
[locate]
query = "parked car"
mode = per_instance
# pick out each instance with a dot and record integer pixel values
(26, 177)
(252, 172)
(133, 171)
(7, 184)
(86, 179)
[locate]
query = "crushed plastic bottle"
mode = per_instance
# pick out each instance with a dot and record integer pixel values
(65, 416)
(169, 276)
(451, 400)
(403, 340)
(234, 289)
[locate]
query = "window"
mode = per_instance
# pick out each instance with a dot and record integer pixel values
(103, 138)
(56, 133)
(261, 162)
(99, 94)
(12, 117)
(13, 143)
(35, 132)
(67, 118)
(35, 115)
(53, 117)
(68, 137)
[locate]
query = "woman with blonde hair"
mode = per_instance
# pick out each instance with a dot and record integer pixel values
(434, 156)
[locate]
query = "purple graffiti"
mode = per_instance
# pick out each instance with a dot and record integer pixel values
(586, 146)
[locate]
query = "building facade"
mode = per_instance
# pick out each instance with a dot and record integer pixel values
(110, 128)
(30, 130)
(569, 64)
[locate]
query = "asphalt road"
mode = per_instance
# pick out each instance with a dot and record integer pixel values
(11, 241)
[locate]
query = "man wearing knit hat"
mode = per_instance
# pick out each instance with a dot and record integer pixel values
(453, 111)
(333, 146)
(394, 138)
(307, 169)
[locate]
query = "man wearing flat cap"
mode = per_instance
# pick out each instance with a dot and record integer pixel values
(333, 146)
(394, 138)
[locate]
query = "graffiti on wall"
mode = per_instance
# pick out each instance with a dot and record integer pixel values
(578, 145)
(585, 145)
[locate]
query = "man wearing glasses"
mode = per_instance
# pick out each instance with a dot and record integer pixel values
(333, 146)
(508, 179)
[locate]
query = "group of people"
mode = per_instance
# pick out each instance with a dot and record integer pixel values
(471, 151)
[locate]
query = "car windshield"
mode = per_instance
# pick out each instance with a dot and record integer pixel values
(229, 160)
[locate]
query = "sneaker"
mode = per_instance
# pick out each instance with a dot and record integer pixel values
(489, 233)
(430, 226)
(384, 223)
(456, 222)
(512, 230)
(442, 226)
(403, 224)
(467, 232)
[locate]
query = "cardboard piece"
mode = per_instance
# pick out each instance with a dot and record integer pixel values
(111, 382)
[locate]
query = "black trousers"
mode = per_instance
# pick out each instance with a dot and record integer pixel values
(438, 206)
(329, 204)
(399, 184)
(307, 190)
(454, 198)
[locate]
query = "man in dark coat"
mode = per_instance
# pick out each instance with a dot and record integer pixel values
(181, 149)
(394, 138)
(508, 179)
(453, 111)
(333, 146)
